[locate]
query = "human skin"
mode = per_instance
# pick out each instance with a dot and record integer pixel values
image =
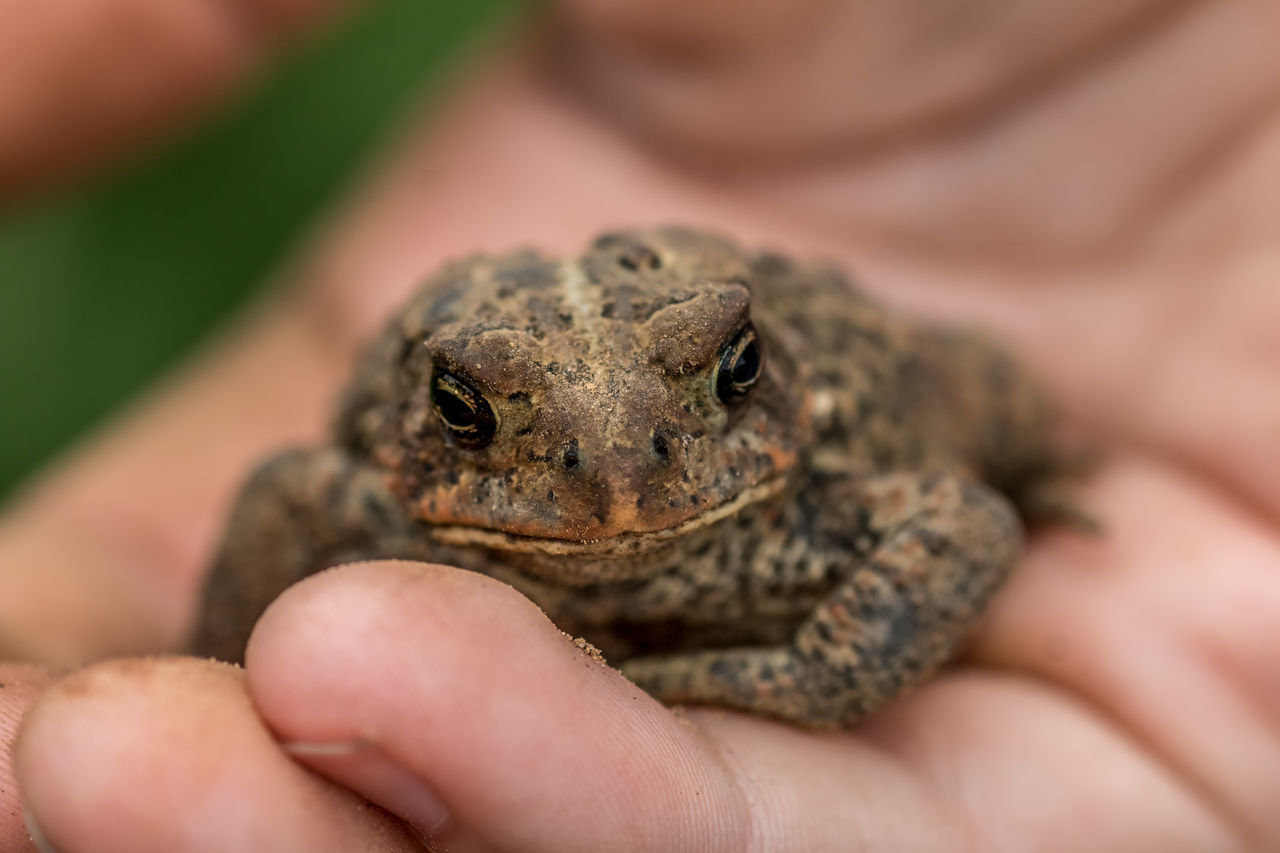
(1094, 182)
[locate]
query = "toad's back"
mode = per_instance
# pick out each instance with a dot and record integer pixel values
(890, 395)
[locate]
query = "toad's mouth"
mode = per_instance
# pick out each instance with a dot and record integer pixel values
(618, 545)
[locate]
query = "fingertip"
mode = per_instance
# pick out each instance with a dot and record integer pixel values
(484, 653)
(522, 737)
(168, 754)
(353, 603)
(85, 727)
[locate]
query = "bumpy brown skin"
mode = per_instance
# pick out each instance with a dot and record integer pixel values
(806, 552)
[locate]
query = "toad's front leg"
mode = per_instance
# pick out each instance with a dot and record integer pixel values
(300, 512)
(945, 544)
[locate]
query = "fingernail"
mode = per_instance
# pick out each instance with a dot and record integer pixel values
(36, 833)
(363, 766)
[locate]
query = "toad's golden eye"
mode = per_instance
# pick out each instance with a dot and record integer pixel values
(740, 365)
(463, 410)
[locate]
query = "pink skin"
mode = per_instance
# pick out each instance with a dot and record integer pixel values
(1092, 181)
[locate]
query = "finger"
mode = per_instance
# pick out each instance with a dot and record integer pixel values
(19, 688)
(84, 77)
(168, 755)
(1165, 623)
(567, 755)
(451, 701)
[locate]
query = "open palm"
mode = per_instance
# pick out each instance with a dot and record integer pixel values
(1089, 181)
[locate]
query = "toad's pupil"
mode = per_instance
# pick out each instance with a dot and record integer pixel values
(454, 409)
(739, 367)
(748, 364)
(463, 410)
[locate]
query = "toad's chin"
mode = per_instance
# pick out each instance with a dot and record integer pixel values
(619, 547)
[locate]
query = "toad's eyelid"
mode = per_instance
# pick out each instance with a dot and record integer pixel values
(442, 364)
(466, 352)
(690, 336)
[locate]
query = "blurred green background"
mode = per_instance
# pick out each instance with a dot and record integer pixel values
(103, 289)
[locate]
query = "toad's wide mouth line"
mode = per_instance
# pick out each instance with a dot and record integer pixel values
(621, 544)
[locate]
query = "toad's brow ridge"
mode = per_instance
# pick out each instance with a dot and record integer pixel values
(581, 301)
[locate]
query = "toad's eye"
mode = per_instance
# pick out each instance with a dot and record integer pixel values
(740, 366)
(463, 410)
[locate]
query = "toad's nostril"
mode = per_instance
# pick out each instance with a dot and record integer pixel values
(638, 257)
(571, 458)
(661, 447)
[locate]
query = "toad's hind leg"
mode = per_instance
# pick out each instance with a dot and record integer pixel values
(945, 544)
(300, 513)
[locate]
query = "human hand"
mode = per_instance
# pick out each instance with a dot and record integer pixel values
(1088, 181)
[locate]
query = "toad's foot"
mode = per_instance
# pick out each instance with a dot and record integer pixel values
(946, 544)
(302, 511)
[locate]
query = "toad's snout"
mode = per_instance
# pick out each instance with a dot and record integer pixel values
(617, 466)
(642, 459)
(630, 486)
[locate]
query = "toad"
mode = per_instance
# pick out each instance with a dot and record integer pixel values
(742, 479)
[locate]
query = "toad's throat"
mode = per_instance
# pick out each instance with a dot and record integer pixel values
(620, 544)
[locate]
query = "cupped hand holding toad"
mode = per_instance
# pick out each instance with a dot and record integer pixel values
(1089, 182)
